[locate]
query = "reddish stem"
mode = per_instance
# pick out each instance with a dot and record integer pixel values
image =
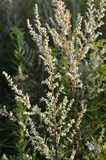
(74, 125)
(55, 127)
(72, 91)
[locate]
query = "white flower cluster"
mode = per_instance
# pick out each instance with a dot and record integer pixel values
(94, 147)
(89, 71)
(93, 22)
(26, 157)
(61, 16)
(24, 99)
(41, 38)
(4, 157)
(73, 155)
(81, 114)
(5, 113)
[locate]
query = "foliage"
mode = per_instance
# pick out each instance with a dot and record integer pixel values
(55, 129)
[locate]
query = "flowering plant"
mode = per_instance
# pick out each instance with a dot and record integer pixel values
(64, 109)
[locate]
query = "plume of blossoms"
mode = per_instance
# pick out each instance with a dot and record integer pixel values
(32, 134)
(62, 130)
(92, 22)
(56, 129)
(59, 33)
(24, 99)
